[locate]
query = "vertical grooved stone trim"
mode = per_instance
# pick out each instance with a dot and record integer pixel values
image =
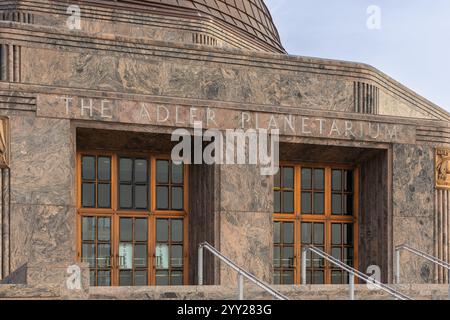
(5, 219)
(10, 61)
(442, 227)
(203, 39)
(17, 16)
(366, 98)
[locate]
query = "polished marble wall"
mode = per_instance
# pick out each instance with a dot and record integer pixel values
(413, 209)
(42, 192)
(246, 209)
(51, 60)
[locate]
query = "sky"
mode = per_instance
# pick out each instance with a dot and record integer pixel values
(409, 40)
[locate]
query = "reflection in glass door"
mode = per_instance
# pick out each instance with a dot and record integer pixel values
(283, 253)
(96, 249)
(313, 233)
(133, 252)
(169, 252)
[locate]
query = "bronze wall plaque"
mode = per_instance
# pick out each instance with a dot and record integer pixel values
(4, 143)
(443, 168)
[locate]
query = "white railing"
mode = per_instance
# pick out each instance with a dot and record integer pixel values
(421, 254)
(241, 273)
(352, 274)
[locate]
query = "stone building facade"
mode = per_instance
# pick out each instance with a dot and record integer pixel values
(87, 120)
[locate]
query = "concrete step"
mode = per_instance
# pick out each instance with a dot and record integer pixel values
(319, 292)
(23, 291)
(316, 292)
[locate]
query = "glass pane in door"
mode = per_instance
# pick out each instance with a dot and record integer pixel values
(133, 252)
(283, 256)
(169, 260)
(96, 248)
(314, 234)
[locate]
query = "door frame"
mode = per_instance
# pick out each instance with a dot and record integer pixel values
(152, 214)
(327, 218)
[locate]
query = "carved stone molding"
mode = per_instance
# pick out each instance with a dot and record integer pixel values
(442, 168)
(4, 142)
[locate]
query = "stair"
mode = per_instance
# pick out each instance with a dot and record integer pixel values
(317, 292)
(321, 292)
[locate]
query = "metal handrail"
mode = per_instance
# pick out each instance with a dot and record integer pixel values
(354, 273)
(241, 273)
(421, 254)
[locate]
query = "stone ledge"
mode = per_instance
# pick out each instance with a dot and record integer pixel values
(18, 291)
(319, 292)
(113, 43)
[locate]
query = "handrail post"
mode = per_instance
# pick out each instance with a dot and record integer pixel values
(242, 274)
(352, 286)
(241, 286)
(303, 265)
(200, 265)
(351, 271)
(397, 265)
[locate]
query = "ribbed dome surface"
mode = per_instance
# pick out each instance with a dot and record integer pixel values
(250, 16)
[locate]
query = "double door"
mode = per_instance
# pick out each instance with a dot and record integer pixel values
(315, 205)
(133, 250)
(132, 219)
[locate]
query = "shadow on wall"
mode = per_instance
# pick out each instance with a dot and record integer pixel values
(17, 277)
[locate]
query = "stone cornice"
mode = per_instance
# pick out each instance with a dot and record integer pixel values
(16, 90)
(23, 97)
(31, 35)
(17, 100)
(138, 18)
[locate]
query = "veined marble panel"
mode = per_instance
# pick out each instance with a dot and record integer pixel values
(413, 181)
(413, 209)
(187, 79)
(42, 191)
(42, 234)
(255, 191)
(246, 238)
(417, 232)
(246, 215)
(42, 161)
(393, 106)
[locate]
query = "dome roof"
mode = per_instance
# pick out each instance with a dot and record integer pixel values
(245, 17)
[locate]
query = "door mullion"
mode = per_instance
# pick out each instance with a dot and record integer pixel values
(328, 266)
(297, 250)
(151, 250)
(114, 245)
